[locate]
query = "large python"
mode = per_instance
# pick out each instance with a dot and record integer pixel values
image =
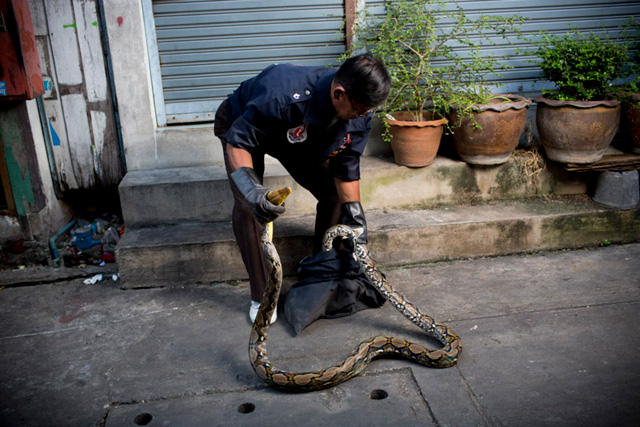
(355, 362)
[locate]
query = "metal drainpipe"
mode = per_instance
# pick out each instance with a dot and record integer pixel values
(52, 242)
(114, 100)
(47, 143)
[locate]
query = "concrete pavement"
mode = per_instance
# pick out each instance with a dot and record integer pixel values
(549, 339)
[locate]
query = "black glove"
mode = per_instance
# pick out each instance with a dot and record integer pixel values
(353, 216)
(255, 195)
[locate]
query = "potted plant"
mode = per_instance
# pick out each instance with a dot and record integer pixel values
(419, 42)
(630, 119)
(488, 131)
(629, 93)
(578, 120)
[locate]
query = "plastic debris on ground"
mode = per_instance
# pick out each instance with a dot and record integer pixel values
(90, 242)
(93, 242)
(99, 278)
(95, 279)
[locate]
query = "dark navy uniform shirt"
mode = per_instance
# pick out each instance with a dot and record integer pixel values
(286, 112)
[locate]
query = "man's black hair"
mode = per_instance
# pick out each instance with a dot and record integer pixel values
(365, 78)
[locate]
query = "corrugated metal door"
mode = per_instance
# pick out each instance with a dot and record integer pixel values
(556, 16)
(206, 48)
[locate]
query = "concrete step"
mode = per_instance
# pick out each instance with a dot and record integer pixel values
(193, 252)
(202, 194)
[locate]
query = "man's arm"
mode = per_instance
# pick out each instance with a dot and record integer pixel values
(348, 191)
(238, 158)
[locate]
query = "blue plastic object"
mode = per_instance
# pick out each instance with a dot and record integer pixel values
(84, 238)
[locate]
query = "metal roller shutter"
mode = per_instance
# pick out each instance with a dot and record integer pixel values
(556, 16)
(206, 48)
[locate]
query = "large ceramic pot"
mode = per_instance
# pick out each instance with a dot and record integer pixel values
(491, 135)
(415, 144)
(576, 131)
(630, 123)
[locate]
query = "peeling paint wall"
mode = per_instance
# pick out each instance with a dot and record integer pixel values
(23, 176)
(78, 107)
(39, 213)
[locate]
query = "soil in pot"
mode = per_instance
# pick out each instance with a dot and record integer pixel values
(490, 137)
(576, 131)
(415, 144)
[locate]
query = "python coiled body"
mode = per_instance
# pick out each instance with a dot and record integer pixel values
(355, 362)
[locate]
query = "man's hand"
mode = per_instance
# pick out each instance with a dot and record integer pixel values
(255, 195)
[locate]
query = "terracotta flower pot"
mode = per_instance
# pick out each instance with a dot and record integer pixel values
(494, 135)
(630, 124)
(576, 131)
(415, 144)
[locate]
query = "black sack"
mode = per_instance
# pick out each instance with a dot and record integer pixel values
(330, 285)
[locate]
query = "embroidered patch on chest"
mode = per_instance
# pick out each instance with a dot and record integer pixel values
(297, 134)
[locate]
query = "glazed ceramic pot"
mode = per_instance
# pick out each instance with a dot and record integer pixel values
(493, 132)
(576, 131)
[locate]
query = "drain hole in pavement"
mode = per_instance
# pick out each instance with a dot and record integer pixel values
(246, 408)
(143, 419)
(378, 394)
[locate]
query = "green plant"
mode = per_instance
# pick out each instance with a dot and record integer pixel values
(583, 67)
(413, 35)
(629, 90)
